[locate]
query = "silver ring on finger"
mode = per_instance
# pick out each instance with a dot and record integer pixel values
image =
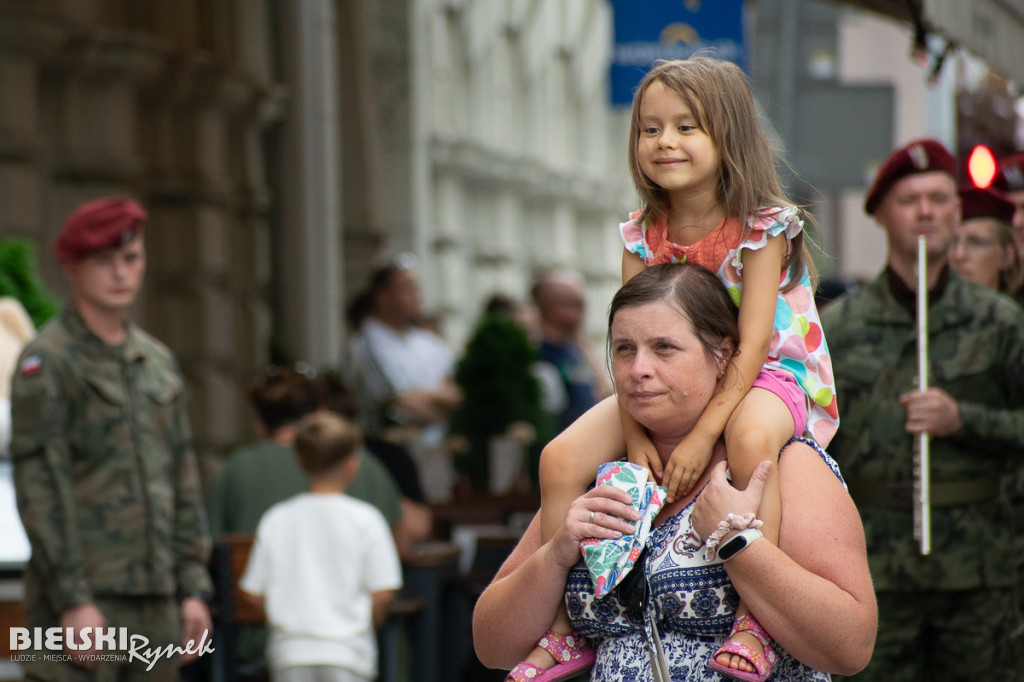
(591, 517)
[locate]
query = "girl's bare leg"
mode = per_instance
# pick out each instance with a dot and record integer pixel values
(757, 430)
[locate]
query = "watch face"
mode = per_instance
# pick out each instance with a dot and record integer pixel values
(731, 548)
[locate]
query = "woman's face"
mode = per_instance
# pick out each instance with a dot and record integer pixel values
(975, 253)
(662, 374)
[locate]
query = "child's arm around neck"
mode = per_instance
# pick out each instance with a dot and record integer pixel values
(631, 265)
(762, 270)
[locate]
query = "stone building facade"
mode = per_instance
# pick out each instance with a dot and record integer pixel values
(517, 162)
(170, 103)
(284, 147)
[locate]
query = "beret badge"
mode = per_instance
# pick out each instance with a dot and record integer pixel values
(918, 156)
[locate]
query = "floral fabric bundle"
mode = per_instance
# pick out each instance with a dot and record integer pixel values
(609, 561)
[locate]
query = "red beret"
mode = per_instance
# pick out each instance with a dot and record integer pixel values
(920, 156)
(1010, 173)
(976, 202)
(97, 225)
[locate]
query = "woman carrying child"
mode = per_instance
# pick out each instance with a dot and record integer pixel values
(706, 174)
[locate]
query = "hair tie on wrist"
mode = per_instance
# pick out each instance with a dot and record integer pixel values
(730, 523)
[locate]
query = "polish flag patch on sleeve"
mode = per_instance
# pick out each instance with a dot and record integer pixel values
(30, 365)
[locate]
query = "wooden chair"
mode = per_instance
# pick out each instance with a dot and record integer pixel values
(234, 549)
(231, 609)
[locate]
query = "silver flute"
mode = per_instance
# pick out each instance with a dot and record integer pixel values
(922, 484)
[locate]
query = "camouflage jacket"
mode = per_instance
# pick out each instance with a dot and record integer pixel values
(105, 476)
(976, 354)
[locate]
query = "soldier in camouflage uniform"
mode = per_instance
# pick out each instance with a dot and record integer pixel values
(949, 615)
(106, 480)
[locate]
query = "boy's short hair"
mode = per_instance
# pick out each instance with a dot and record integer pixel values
(323, 440)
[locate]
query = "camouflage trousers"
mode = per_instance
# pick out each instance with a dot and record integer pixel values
(954, 636)
(158, 619)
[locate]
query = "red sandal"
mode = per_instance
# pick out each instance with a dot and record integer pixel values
(763, 663)
(570, 659)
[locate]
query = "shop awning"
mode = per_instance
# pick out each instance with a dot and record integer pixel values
(990, 29)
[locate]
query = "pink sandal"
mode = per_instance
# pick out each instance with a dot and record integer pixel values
(566, 650)
(763, 663)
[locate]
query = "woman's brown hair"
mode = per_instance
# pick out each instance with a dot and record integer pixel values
(692, 290)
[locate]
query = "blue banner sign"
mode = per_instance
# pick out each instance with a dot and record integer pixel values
(649, 30)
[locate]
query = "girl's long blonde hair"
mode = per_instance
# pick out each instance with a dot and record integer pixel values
(718, 94)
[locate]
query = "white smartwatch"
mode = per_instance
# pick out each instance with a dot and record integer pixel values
(737, 543)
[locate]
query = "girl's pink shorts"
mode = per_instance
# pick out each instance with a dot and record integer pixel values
(784, 385)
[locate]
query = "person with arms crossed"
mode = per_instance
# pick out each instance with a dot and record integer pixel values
(402, 376)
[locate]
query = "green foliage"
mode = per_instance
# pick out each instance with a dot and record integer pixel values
(18, 279)
(500, 389)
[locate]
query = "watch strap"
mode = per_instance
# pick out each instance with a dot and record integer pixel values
(737, 543)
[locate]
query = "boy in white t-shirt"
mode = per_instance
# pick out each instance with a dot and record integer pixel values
(324, 565)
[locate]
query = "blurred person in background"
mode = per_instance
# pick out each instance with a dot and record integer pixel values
(266, 472)
(402, 375)
(559, 297)
(106, 479)
(323, 564)
(1009, 181)
(15, 331)
(262, 474)
(983, 249)
(950, 614)
(416, 522)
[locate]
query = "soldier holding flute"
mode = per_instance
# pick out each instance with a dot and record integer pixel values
(948, 614)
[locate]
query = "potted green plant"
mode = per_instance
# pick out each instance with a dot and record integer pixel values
(501, 422)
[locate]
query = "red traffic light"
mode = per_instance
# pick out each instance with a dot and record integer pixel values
(981, 166)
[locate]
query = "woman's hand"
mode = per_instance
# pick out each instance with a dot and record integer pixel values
(603, 512)
(523, 600)
(719, 498)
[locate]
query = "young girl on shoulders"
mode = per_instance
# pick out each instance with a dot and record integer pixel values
(707, 178)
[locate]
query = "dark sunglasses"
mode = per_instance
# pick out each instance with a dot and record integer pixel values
(632, 590)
